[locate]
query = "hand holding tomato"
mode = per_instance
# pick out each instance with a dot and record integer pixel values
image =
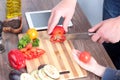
(88, 64)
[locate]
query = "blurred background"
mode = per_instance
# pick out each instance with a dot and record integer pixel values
(93, 10)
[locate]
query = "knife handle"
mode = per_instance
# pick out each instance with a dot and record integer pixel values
(91, 33)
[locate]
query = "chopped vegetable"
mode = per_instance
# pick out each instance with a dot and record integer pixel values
(48, 72)
(16, 59)
(58, 34)
(34, 74)
(51, 71)
(24, 41)
(35, 42)
(26, 76)
(58, 30)
(31, 52)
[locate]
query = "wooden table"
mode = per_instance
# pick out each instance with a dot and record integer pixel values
(80, 24)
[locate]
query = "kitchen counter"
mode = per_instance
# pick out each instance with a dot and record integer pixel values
(80, 24)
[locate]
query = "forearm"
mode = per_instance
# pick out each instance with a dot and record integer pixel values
(99, 70)
(106, 73)
(111, 74)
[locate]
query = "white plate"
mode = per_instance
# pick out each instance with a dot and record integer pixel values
(39, 19)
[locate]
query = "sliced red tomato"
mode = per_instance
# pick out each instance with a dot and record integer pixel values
(84, 56)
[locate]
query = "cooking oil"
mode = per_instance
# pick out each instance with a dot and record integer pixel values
(13, 8)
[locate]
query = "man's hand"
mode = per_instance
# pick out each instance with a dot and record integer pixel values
(64, 9)
(107, 31)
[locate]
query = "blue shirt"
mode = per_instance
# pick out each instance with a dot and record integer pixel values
(111, 74)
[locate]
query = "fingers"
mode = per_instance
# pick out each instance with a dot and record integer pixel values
(53, 21)
(95, 37)
(95, 28)
(65, 23)
(75, 56)
(82, 64)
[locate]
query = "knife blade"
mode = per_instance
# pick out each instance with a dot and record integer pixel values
(76, 36)
(72, 36)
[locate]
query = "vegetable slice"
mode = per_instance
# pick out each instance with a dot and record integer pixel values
(26, 76)
(43, 76)
(58, 34)
(35, 75)
(51, 71)
(16, 59)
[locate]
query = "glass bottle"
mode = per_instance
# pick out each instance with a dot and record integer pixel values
(13, 8)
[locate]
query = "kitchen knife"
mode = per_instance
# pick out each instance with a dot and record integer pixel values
(73, 36)
(76, 36)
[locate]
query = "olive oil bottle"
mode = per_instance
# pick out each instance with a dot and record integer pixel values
(13, 8)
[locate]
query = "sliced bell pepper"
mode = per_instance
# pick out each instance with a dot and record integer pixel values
(16, 59)
(58, 34)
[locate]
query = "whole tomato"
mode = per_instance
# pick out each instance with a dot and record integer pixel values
(84, 56)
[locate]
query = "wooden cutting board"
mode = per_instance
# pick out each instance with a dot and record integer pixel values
(59, 55)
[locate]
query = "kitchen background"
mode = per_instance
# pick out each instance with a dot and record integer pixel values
(92, 9)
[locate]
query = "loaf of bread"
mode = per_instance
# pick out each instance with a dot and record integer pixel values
(13, 25)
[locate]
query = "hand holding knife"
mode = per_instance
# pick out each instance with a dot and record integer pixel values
(59, 35)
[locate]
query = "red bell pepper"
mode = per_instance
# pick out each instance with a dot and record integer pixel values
(58, 34)
(16, 59)
(59, 30)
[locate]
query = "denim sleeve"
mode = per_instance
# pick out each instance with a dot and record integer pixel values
(111, 74)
